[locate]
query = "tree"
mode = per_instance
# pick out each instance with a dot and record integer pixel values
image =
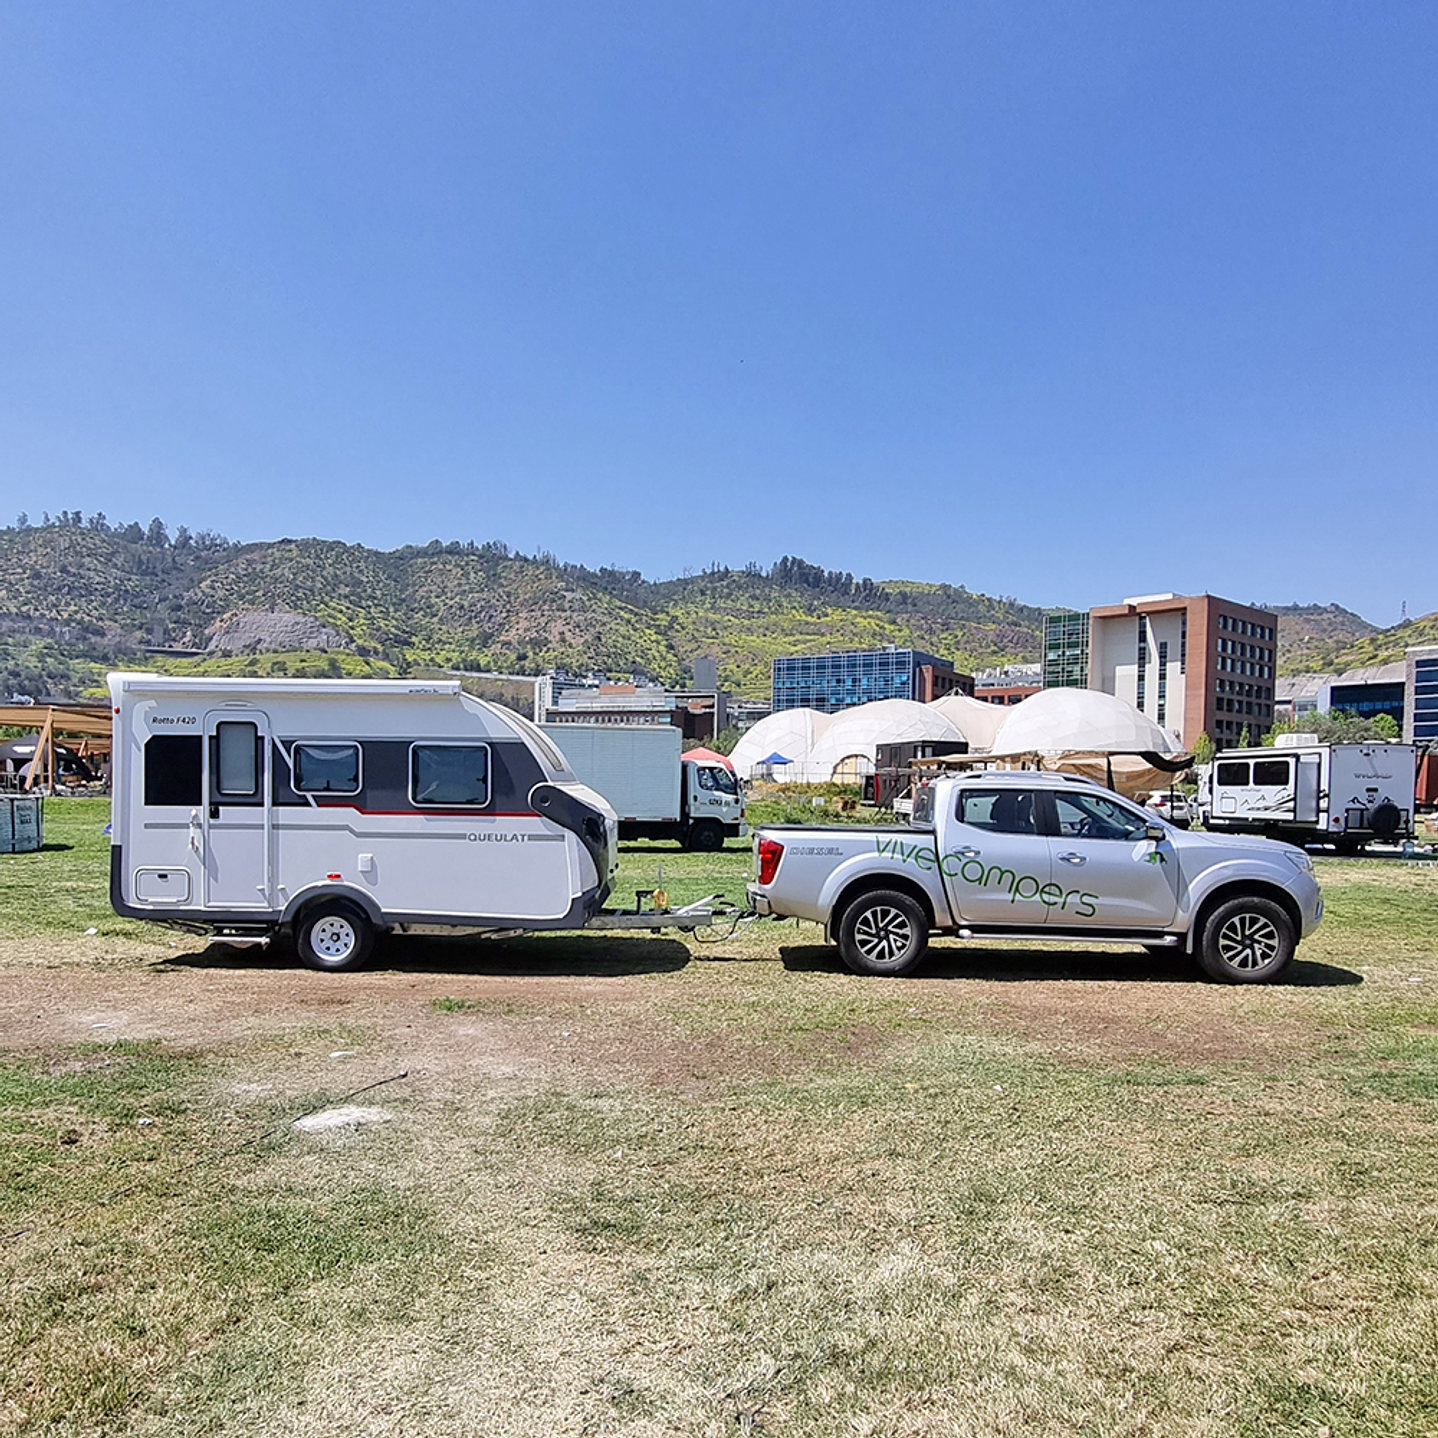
(1244, 738)
(1203, 750)
(23, 522)
(156, 534)
(1385, 726)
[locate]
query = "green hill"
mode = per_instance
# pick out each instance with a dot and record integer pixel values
(1310, 635)
(77, 596)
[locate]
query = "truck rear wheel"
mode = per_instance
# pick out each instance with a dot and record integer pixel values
(884, 932)
(334, 935)
(706, 837)
(1247, 940)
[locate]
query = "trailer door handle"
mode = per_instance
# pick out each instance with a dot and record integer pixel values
(1073, 858)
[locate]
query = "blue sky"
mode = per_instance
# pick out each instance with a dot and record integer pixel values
(1061, 301)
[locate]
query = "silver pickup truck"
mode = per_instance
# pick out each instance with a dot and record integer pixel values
(1039, 856)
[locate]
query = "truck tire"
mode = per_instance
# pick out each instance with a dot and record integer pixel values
(1247, 940)
(884, 932)
(706, 837)
(334, 935)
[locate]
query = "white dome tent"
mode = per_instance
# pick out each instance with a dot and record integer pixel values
(1055, 720)
(976, 721)
(845, 751)
(790, 732)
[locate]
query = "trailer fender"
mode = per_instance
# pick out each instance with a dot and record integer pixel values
(360, 898)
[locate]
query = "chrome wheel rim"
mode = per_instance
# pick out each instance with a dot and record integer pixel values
(883, 933)
(333, 937)
(1248, 941)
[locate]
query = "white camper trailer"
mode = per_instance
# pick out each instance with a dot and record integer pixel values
(343, 807)
(1307, 792)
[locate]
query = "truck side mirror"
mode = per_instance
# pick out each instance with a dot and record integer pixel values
(1156, 833)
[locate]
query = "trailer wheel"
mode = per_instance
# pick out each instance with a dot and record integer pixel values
(884, 933)
(1247, 940)
(334, 935)
(706, 837)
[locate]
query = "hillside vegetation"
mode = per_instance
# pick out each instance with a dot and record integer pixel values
(1311, 636)
(77, 595)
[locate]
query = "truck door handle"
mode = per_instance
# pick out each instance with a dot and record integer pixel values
(970, 853)
(1073, 858)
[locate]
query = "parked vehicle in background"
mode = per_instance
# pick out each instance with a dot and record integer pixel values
(1343, 794)
(1027, 855)
(1172, 806)
(654, 790)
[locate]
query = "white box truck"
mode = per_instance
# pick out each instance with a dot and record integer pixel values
(655, 791)
(1306, 792)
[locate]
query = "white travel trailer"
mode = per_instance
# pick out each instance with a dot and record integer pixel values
(1307, 792)
(339, 808)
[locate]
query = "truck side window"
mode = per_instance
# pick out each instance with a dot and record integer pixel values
(1001, 811)
(449, 774)
(706, 779)
(326, 768)
(1091, 816)
(172, 769)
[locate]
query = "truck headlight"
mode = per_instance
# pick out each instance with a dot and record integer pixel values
(1299, 860)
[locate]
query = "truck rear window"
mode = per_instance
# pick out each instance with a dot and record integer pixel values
(1001, 811)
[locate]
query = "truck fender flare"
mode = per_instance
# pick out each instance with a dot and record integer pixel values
(865, 882)
(1237, 888)
(361, 899)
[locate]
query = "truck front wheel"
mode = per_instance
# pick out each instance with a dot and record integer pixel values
(334, 935)
(706, 837)
(1247, 940)
(883, 932)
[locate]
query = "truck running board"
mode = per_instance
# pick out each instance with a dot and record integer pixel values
(1029, 936)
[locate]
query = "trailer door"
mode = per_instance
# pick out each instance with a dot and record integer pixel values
(237, 810)
(1306, 788)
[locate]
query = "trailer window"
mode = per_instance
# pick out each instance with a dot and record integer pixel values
(237, 768)
(449, 774)
(172, 769)
(1233, 773)
(326, 768)
(1270, 771)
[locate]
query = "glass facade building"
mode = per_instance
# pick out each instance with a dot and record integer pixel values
(830, 682)
(1066, 650)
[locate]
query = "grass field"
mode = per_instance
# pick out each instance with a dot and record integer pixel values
(649, 1187)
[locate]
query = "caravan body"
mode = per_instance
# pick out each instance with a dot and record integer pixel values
(240, 805)
(1343, 794)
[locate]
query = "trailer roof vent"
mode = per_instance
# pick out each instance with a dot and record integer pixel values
(1294, 741)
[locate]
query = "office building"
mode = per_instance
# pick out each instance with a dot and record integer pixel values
(1420, 712)
(1009, 685)
(831, 682)
(1065, 662)
(1195, 664)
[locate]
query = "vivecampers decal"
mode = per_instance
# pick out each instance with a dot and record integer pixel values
(992, 876)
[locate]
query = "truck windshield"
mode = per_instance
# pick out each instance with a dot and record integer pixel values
(717, 780)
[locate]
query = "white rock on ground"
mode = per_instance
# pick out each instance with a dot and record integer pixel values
(346, 1116)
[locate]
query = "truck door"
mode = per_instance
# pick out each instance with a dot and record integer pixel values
(237, 810)
(996, 863)
(712, 792)
(1112, 876)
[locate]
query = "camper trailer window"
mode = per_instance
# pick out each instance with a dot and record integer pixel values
(238, 767)
(1270, 771)
(449, 774)
(327, 768)
(1233, 773)
(172, 769)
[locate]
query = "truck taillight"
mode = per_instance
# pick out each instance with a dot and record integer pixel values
(770, 852)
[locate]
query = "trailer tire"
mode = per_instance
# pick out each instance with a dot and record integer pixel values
(1247, 940)
(883, 933)
(334, 935)
(706, 837)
